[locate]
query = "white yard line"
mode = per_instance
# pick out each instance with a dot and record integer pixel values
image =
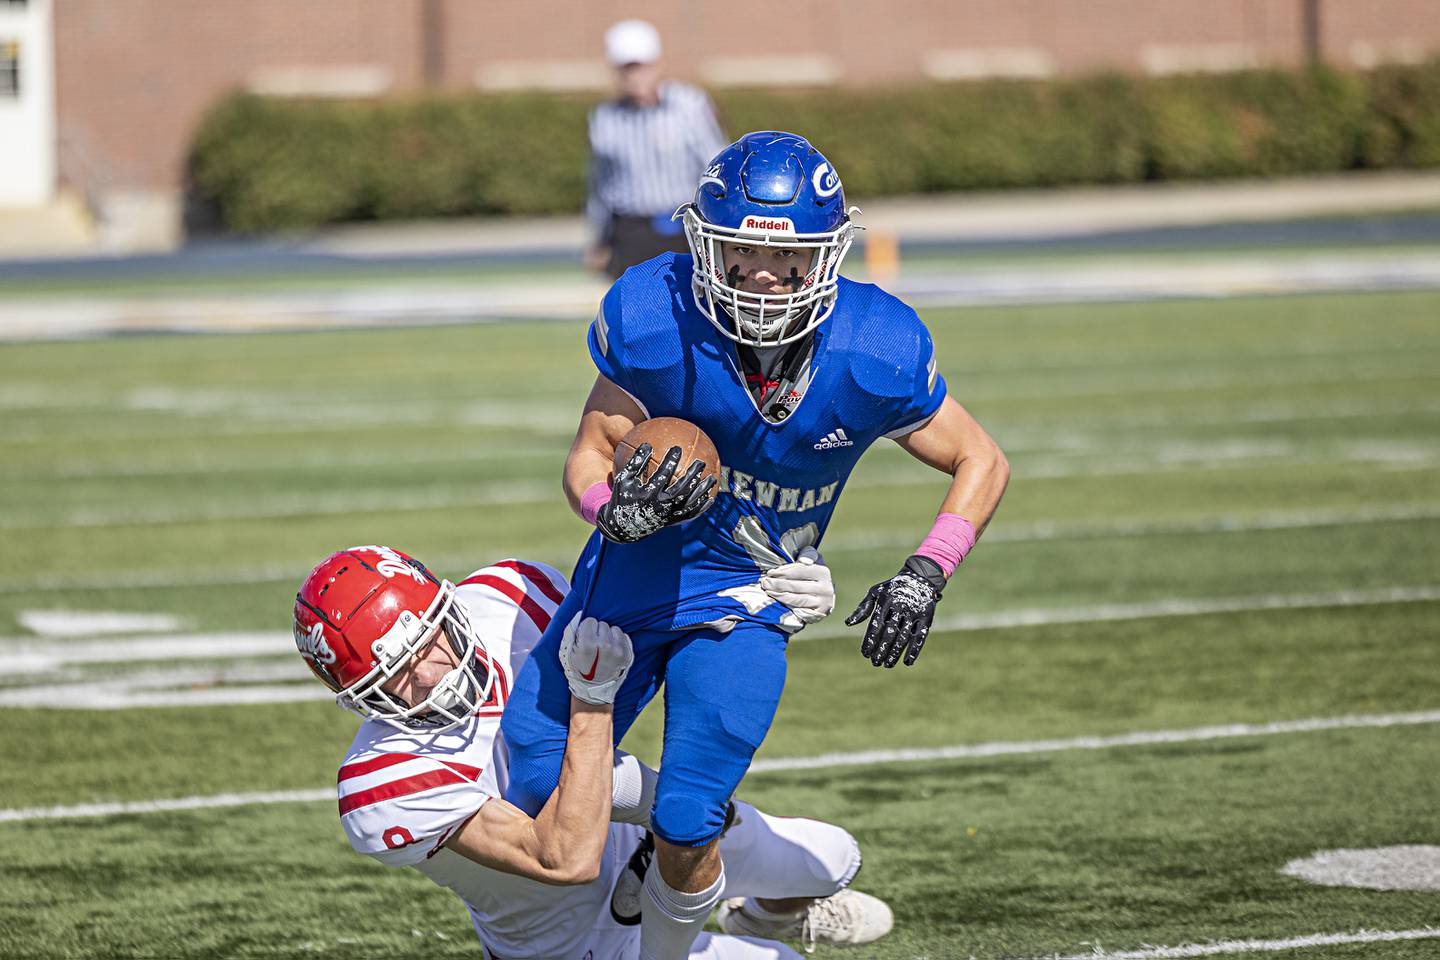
(1171, 607)
(1175, 459)
(42, 395)
(1222, 947)
(89, 623)
(1171, 459)
(1051, 437)
(39, 660)
(269, 681)
(38, 655)
(557, 420)
(1232, 523)
(19, 656)
(159, 579)
(574, 298)
(269, 418)
(309, 460)
(279, 508)
(839, 542)
(867, 758)
(85, 810)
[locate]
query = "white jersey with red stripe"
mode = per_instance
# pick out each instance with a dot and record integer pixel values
(404, 794)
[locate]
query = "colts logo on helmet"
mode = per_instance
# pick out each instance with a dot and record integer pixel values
(826, 183)
(311, 643)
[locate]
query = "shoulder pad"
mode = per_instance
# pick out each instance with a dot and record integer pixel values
(888, 341)
(636, 326)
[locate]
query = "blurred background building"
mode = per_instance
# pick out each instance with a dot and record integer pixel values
(99, 100)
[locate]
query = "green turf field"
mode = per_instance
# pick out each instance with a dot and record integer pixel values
(1222, 512)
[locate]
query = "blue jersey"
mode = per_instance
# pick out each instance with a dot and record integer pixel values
(872, 375)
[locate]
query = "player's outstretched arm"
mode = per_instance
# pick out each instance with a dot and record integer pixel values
(564, 843)
(901, 609)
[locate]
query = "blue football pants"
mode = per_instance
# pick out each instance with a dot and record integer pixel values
(721, 692)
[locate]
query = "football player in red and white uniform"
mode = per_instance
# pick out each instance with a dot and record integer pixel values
(428, 665)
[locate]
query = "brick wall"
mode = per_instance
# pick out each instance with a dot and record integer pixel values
(134, 77)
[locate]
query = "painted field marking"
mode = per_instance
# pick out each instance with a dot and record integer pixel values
(309, 460)
(20, 656)
(43, 396)
(858, 540)
(280, 508)
(88, 623)
(273, 418)
(521, 492)
(225, 686)
(1048, 531)
(1173, 607)
(866, 758)
(1045, 438)
(1221, 947)
(269, 681)
(1195, 460)
(38, 655)
(88, 810)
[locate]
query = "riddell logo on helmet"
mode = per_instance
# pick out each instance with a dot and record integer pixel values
(768, 224)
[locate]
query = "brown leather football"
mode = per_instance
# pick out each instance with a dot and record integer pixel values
(662, 433)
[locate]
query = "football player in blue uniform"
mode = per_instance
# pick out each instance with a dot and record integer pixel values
(793, 371)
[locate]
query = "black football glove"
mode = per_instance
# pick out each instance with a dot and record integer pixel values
(902, 609)
(638, 508)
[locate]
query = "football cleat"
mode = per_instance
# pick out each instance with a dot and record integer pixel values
(629, 892)
(846, 919)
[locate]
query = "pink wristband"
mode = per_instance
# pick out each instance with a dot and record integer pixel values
(593, 499)
(948, 541)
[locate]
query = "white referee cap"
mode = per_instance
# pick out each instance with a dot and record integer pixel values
(632, 41)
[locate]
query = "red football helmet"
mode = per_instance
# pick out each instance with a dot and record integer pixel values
(364, 612)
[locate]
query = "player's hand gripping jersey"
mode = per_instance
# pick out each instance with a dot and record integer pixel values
(872, 374)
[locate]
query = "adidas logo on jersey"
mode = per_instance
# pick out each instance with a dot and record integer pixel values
(833, 439)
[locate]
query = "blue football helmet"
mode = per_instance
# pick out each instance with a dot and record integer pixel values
(768, 189)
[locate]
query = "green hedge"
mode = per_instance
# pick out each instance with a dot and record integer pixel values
(271, 164)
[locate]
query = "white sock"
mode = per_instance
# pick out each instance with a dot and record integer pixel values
(671, 920)
(634, 790)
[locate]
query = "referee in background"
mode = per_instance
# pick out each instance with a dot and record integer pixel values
(648, 147)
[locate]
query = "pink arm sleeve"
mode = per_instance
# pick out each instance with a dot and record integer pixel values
(948, 541)
(593, 499)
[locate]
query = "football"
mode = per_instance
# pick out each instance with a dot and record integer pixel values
(662, 433)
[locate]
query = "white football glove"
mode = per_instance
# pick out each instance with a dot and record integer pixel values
(804, 586)
(596, 657)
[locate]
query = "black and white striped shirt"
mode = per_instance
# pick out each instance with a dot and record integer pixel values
(646, 160)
